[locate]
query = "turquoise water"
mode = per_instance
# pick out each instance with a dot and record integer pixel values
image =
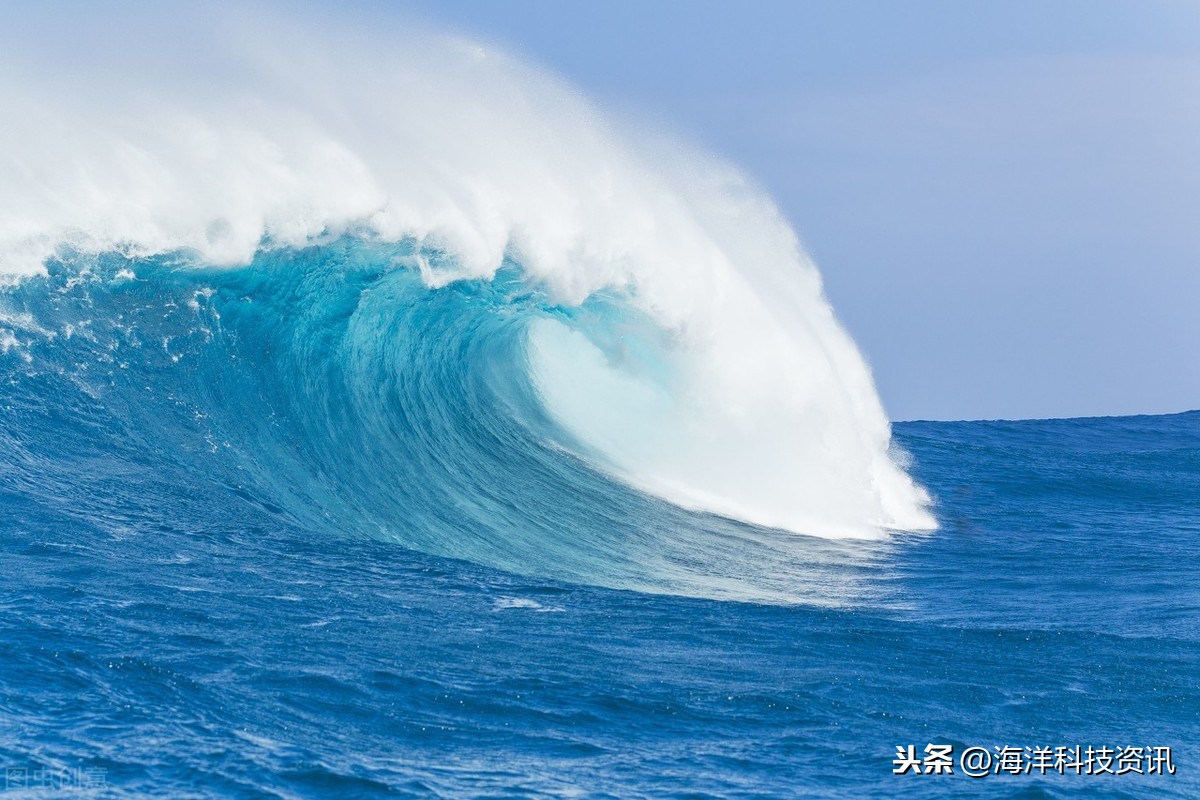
(302, 529)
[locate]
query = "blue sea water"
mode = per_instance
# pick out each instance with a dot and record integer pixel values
(302, 529)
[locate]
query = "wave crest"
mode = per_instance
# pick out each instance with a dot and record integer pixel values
(690, 350)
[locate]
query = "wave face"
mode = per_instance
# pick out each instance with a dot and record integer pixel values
(334, 392)
(415, 287)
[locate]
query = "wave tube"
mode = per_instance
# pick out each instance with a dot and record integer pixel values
(678, 340)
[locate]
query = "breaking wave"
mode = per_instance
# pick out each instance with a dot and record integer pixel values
(408, 284)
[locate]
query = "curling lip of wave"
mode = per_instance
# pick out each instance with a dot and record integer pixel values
(742, 396)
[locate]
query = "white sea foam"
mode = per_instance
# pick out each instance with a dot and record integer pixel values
(288, 131)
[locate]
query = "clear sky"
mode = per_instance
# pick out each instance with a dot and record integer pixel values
(1003, 197)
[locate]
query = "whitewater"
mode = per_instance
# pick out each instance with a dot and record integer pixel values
(681, 341)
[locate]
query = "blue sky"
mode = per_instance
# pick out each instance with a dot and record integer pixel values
(1003, 197)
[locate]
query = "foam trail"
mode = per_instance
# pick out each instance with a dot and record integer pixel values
(719, 378)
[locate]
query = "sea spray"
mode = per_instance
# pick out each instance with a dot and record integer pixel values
(759, 406)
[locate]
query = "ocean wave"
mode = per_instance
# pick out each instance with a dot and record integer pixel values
(426, 286)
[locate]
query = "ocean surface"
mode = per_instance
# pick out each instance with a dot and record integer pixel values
(305, 529)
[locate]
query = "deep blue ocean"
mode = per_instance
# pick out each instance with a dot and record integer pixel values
(300, 529)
